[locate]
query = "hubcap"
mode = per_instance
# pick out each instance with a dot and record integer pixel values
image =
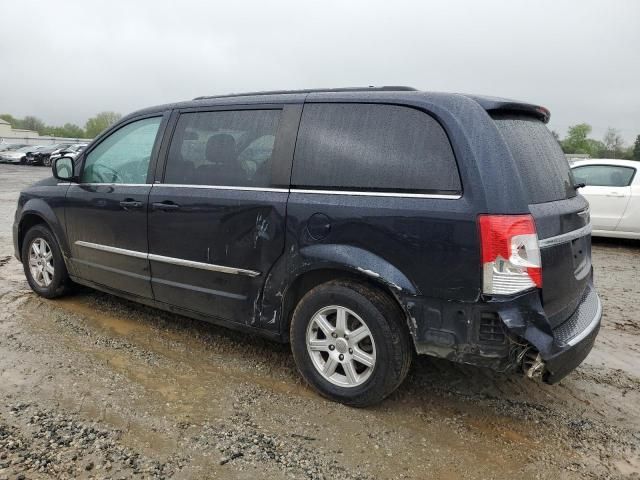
(341, 346)
(41, 262)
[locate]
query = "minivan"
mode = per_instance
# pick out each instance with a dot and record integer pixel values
(361, 225)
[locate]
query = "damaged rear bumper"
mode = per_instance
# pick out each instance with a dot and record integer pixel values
(458, 332)
(574, 338)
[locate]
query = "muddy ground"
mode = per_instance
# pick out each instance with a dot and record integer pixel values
(92, 386)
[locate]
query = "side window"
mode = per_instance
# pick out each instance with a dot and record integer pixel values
(373, 148)
(123, 157)
(223, 148)
(604, 175)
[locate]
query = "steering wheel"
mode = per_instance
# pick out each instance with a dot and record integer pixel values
(116, 176)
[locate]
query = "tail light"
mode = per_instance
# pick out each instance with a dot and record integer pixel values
(510, 254)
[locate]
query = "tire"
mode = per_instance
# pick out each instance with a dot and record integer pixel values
(47, 284)
(387, 344)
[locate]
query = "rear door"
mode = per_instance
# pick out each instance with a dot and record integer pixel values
(607, 188)
(561, 216)
(217, 210)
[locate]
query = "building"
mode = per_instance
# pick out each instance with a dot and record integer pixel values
(18, 135)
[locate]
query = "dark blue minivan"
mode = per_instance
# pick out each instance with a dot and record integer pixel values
(362, 225)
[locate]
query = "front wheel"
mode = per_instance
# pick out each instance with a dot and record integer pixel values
(43, 264)
(350, 343)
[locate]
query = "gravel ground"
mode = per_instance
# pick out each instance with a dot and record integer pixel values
(92, 386)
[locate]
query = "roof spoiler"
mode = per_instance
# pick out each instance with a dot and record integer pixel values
(501, 105)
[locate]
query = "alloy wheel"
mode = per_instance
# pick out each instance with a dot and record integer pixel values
(341, 346)
(41, 262)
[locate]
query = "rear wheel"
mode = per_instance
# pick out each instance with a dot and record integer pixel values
(43, 264)
(350, 343)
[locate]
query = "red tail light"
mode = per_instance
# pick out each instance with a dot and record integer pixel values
(510, 254)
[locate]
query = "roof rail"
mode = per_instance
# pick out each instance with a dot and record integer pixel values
(386, 88)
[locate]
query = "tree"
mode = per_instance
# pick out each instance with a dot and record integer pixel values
(10, 118)
(596, 148)
(33, 123)
(68, 130)
(613, 143)
(636, 149)
(576, 140)
(100, 122)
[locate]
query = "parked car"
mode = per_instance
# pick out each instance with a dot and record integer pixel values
(19, 155)
(363, 226)
(613, 191)
(11, 146)
(71, 151)
(41, 157)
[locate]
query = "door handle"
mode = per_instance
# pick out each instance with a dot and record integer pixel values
(165, 206)
(615, 194)
(130, 203)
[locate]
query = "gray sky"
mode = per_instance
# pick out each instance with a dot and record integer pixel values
(66, 60)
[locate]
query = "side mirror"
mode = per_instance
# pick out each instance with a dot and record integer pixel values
(63, 169)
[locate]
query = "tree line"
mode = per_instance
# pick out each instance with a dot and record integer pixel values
(92, 127)
(611, 146)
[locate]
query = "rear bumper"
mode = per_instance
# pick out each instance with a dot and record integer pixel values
(574, 338)
(458, 332)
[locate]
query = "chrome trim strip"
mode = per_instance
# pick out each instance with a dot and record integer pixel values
(565, 237)
(203, 266)
(222, 187)
(377, 194)
(594, 323)
(171, 260)
(90, 184)
(106, 248)
(286, 190)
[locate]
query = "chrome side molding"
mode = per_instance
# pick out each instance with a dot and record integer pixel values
(170, 260)
(203, 266)
(106, 248)
(377, 194)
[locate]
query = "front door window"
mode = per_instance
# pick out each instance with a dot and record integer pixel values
(124, 156)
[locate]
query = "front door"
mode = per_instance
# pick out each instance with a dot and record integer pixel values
(106, 211)
(217, 219)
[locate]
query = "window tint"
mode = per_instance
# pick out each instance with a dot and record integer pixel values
(232, 148)
(373, 147)
(544, 170)
(123, 157)
(604, 175)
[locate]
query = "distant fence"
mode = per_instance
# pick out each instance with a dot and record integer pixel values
(43, 140)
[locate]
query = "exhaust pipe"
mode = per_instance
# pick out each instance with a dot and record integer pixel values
(532, 364)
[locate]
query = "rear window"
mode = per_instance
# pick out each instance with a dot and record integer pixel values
(223, 148)
(368, 147)
(604, 175)
(544, 170)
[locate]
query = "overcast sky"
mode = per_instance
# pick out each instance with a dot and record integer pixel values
(66, 60)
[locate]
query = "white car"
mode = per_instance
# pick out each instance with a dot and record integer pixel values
(19, 155)
(612, 188)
